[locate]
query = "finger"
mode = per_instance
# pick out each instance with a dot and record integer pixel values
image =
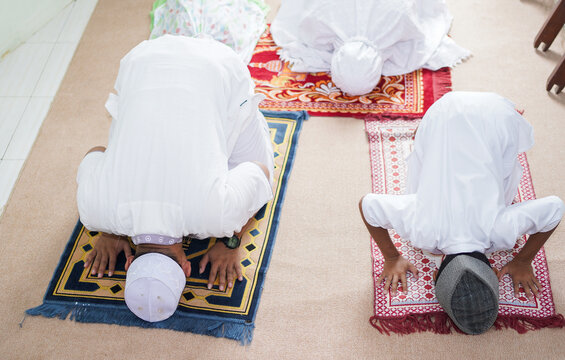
(90, 258)
(103, 264)
(404, 283)
(388, 281)
(212, 277)
(231, 277)
(537, 283)
(534, 288)
(222, 278)
(501, 273)
(394, 286)
(96, 264)
(203, 263)
(528, 291)
(111, 264)
(380, 279)
(126, 249)
(188, 268)
(414, 270)
(516, 288)
(239, 272)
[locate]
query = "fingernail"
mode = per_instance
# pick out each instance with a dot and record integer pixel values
(230, 285)
(110, 273)
(240, 278)
(209, 286)
(221, 287)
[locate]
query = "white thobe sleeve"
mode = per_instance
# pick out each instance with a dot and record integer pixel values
(89, 201)
(254, 144)
(528, 217)
(247, 189)
(389, 211)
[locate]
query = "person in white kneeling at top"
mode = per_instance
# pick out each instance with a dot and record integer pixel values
(188, 154)
(358, 40)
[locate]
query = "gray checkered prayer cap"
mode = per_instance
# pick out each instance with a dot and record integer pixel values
(467, 290)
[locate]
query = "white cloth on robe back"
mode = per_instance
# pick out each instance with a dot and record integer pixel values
(462, 177)
(185, 129)
(358, 39)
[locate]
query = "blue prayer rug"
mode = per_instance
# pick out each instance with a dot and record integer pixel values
(230, 313)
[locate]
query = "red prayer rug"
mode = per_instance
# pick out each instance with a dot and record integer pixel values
(408, 96)
(418, 310)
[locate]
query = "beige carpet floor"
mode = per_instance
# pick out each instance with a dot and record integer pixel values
(318, 292)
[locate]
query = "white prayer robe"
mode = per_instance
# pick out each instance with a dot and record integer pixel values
(359, 39)
(462, 177)
(185, 129)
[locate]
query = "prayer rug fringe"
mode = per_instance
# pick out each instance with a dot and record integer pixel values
(85, 313)
(440, 323)
(523, 324)
(440, 84)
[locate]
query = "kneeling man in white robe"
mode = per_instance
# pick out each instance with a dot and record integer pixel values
(463, 175)
(188, 154)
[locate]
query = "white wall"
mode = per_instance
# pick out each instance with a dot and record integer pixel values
(19, 19)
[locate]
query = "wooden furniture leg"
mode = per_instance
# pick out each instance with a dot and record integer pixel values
(551, 27)
(557, 77)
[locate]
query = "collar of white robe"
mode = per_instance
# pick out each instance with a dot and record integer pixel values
(356, 66)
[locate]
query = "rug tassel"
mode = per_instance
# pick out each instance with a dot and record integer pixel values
(441, 82)
(391, 117)
(441, 85)
(440, 323)
(50, 311)
(22, 322)
(236, 330)
(523, 324)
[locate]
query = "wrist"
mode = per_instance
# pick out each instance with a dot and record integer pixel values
(522, 260)
(392, 257)
(232, 242)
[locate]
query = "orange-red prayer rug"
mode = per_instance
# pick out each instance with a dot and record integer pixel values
(418, 310)
(406, 96)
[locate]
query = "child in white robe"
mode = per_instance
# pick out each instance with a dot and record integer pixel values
(189, 154)
(359, 40)
(237, 23)
(462, 177)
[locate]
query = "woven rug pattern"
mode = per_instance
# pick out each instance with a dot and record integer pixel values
(418, 310)
(230, 313)
(408, 95)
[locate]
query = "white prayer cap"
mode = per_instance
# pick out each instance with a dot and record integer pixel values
(154, 284)
(356, 66)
